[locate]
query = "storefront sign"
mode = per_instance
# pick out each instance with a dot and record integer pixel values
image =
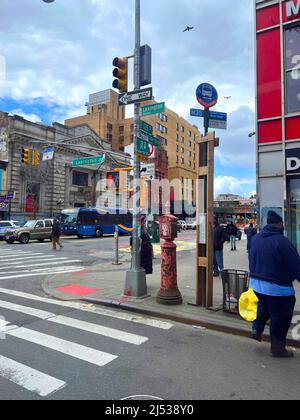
(293, 161)
(292, 8)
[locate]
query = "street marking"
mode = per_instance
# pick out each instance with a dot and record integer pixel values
(65, 260)
(151, 322)
(39, 272)
(22, 258)
(74, 323)
(7, 265)
(28, 378)
(68, 348)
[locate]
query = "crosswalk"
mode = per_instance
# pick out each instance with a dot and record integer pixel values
(18, 264)
(41, 333)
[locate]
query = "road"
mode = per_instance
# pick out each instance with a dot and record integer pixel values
(67, 350)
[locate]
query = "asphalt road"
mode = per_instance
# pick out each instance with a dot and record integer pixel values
(64, 350)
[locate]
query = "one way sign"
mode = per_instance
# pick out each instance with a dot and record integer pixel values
(130, 98)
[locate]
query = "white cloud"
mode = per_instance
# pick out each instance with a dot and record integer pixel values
(232, 185)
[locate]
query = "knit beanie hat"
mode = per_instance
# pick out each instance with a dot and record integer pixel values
(273, 218)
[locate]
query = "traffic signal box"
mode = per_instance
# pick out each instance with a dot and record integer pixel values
(121, 74)
(26, 156)
(36, 158)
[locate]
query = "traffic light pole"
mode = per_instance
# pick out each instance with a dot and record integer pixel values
(136, 277)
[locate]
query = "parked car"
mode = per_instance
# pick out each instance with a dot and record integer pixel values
(192, 225)
(238, 235)
(32, 230)
(6, 225)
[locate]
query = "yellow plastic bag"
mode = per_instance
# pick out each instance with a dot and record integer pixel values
(248, 304)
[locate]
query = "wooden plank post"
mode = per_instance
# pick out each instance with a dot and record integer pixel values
(205, 220)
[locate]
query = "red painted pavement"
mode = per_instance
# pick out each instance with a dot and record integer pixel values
(77, 290)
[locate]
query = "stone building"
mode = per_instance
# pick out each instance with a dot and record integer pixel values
(45, 189)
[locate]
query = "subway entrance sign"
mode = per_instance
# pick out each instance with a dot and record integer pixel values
(98, 160)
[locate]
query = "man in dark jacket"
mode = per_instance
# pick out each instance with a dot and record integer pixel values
(250, 232)
(232, 229)
(274, 265)
(56, 234)
(219, 239)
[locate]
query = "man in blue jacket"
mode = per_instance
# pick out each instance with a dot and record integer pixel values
(274, 265)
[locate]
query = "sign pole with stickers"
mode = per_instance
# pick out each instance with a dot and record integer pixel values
(208, 97)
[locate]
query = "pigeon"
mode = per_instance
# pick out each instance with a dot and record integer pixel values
(188, 28)
(227, 97)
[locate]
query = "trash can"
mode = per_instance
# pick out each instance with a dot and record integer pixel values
(235, 283)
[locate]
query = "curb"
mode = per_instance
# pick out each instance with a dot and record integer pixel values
(223, 328)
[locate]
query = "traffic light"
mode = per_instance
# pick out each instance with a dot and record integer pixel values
(25, 156)
(36, 158)
(121, 74)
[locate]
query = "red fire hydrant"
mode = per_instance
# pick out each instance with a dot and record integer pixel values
(169, 293)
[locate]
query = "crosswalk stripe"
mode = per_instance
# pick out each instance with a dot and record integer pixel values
(28, 263)
(68, 348)
(28, 378)
(39, 265)
(75, 323)
(23, 258)
(38, 273)
(152, 322)
(19, 254)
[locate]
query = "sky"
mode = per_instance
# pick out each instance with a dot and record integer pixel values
(52, 56)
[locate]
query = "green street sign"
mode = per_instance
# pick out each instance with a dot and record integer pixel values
(146, 128)
(98, 160)
(153, 109)
(143, 147)
(152, 140)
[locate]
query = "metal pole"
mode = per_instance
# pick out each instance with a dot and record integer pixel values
(136, 277)
(117, 261)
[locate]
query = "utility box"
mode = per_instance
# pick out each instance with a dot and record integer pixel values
(168, 227)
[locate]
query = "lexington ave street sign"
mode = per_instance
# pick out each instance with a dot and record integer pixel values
(98, 160)
(153, 109)
(130, 98)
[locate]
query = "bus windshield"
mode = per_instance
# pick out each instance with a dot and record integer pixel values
(68, 217)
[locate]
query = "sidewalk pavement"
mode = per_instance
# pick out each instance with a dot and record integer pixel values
(104, 284)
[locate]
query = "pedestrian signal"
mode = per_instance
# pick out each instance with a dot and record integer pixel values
(36, 158)
(25, 156)
(121, 74)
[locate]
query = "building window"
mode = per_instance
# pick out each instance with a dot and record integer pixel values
(292, 65)
(189, 154)
(177, 126)
(190, 144)
(132, 128)
(182, 129)
(190, 133)
(80, 179)
(177, 137)
(182, 140)
(121, 129)
(177, 148)
(182, 161)
(182, 150)
(131, 139)
(177, 159)
(109, 127)
(190, 163)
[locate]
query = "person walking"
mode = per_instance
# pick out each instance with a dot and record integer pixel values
(250, 231)
(274, 265)
(146, 248)
(219, 239)
(232, 235)
(56, 234)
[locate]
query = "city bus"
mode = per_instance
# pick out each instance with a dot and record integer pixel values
(97, 222)
(68, 219)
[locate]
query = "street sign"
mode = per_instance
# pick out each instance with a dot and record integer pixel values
(98, 160)
(220, 116)
(130, 98)
(219, 125)
(48, 154)
(143, 147)
(142, 158)
(207, 95)
(152, 140)
(149, 171)
(146, 128)
(197, 113)
(153, 109)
